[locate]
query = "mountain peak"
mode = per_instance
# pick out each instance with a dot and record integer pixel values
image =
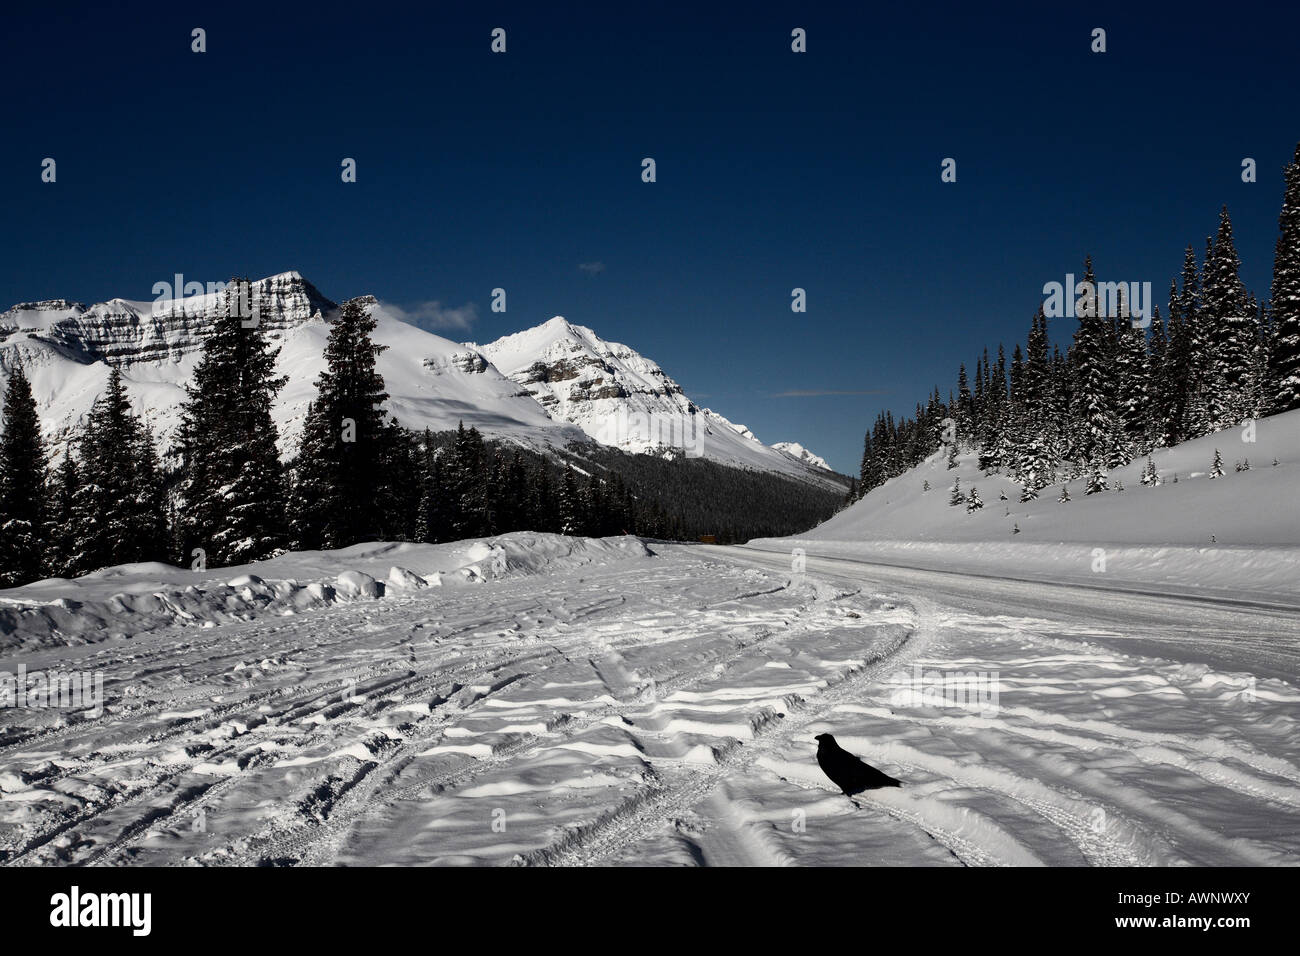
(799, 452)
(624, 399)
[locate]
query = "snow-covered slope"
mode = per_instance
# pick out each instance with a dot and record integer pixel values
(1255, 507)
(797, 451)
(1237, 533)
(623, 399)
(68, 349)
(432, 382)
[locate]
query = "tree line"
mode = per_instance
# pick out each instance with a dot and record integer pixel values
(223, 496)
(1217, 358)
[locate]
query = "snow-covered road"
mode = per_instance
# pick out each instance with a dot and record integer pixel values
(661, 710)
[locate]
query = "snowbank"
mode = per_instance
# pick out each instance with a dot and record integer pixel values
(132, 598)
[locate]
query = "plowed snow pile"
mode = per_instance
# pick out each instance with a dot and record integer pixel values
(133, 598)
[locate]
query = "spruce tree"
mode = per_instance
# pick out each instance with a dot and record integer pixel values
(1188, 359)
(397, 497)
(62, 533)
(1232, 331)
(1150, 477)
(431, 519)
(965, 411)
(1159, 386)
(1133, 373)
(570, 515)
(543, 505)
(339, 483)
(1097, 480)
(1285, 303)
(1094, 423)
(22, 485)
(118, 505)
(1036, 422)
(232, 487)
(865, 471)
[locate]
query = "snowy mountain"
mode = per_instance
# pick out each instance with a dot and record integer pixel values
(625, 400)
(547, 386)
(67, 349)
(796, 450)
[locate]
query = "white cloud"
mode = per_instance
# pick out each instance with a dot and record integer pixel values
(824, 392)
(433, 315)
(591, 268)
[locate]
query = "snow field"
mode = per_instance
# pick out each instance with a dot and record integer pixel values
(616, 706)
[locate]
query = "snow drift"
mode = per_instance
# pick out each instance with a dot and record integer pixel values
(133, 598)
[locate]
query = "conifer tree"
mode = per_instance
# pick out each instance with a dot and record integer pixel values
(1097, 480)
(1232, 329)
(865, 473)
(965, 412)
(232, 487)
(62, 527)
(1285, 303)
(1160, 387)
(1150, 477)
(466, 485)
(1216, 468)
(1133, 374)
(1188, 360)
(1036, 422)
(570, 515)
(1094, 422)
(22, 485)
(543, 505)
(852, 495)
(118, 505)
(339, 482)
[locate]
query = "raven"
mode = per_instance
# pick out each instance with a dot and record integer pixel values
(846, 771)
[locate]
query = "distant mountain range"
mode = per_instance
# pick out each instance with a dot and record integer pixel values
(546, 386)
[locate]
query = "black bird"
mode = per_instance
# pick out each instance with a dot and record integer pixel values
(848, 772)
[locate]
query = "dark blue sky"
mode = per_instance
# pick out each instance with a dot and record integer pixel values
(775, 170)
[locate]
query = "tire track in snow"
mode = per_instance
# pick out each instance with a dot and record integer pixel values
(316, 847)
(646, 812)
